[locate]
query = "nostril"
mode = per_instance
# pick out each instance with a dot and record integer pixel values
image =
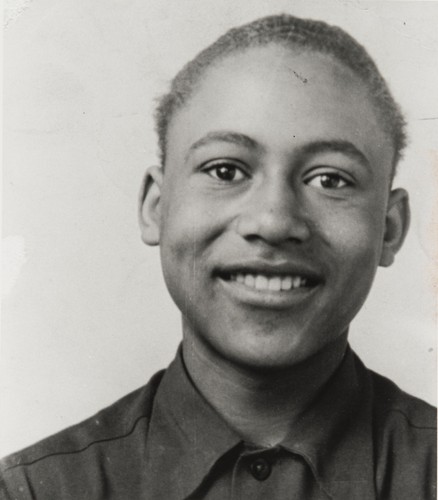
(273, 227)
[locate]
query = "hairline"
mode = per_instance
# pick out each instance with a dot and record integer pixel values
(293, 47)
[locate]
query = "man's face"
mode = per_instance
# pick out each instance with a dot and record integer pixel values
(272, 208)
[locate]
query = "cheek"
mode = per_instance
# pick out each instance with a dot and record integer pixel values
(354, 240)
(190, 220)
(352, 230)
(360, 245)
(185, 234)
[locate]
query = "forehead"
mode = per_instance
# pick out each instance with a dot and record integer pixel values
(275, 94)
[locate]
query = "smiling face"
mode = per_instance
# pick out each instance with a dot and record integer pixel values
(274, 209)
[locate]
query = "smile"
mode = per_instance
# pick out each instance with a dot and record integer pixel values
(271, 287)
(271, 283)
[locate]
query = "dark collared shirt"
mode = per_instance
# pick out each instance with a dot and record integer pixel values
(363, 438)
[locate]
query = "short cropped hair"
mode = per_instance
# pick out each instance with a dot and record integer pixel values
(290, 32)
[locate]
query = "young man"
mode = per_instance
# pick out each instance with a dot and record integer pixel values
(273, 208)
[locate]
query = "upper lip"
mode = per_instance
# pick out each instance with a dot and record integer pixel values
(275, 268)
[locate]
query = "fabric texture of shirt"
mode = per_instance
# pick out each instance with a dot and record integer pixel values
(362, 438)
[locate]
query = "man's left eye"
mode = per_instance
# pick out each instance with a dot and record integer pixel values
(328, 181)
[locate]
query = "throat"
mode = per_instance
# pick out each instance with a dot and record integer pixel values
(262, 408)
(262, 428)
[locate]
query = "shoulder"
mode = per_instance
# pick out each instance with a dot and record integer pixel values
(404, 442)
(395, 408)
(78, 450)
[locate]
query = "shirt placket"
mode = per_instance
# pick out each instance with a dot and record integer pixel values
(273, 474)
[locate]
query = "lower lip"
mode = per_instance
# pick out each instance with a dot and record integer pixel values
(270, 299)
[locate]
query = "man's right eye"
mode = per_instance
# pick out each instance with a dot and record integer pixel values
(226, 172)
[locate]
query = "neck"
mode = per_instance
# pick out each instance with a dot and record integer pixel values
(261, 406)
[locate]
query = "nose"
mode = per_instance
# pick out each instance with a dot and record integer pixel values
(274, 213)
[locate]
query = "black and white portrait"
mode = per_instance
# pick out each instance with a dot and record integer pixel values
(262, 202)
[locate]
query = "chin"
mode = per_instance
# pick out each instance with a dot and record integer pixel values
(266, 357)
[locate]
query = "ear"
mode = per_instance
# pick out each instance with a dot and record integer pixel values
(149, 206)
(396, 225)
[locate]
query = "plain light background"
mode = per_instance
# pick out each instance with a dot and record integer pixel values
(86, 317)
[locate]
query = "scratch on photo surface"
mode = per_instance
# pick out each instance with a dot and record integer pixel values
(13, 10)
(14, 256)
(304, 80)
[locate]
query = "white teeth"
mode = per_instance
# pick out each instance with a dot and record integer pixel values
(274, 283)
(249, 280)
(286, 283)
(261, 282)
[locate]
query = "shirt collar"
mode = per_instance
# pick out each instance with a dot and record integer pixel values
(334, 434)
(187, 436)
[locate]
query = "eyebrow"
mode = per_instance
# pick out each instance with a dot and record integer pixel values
(334, 146)
(312, 148)
(225, 136)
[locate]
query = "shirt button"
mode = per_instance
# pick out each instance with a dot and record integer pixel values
(260, 469)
